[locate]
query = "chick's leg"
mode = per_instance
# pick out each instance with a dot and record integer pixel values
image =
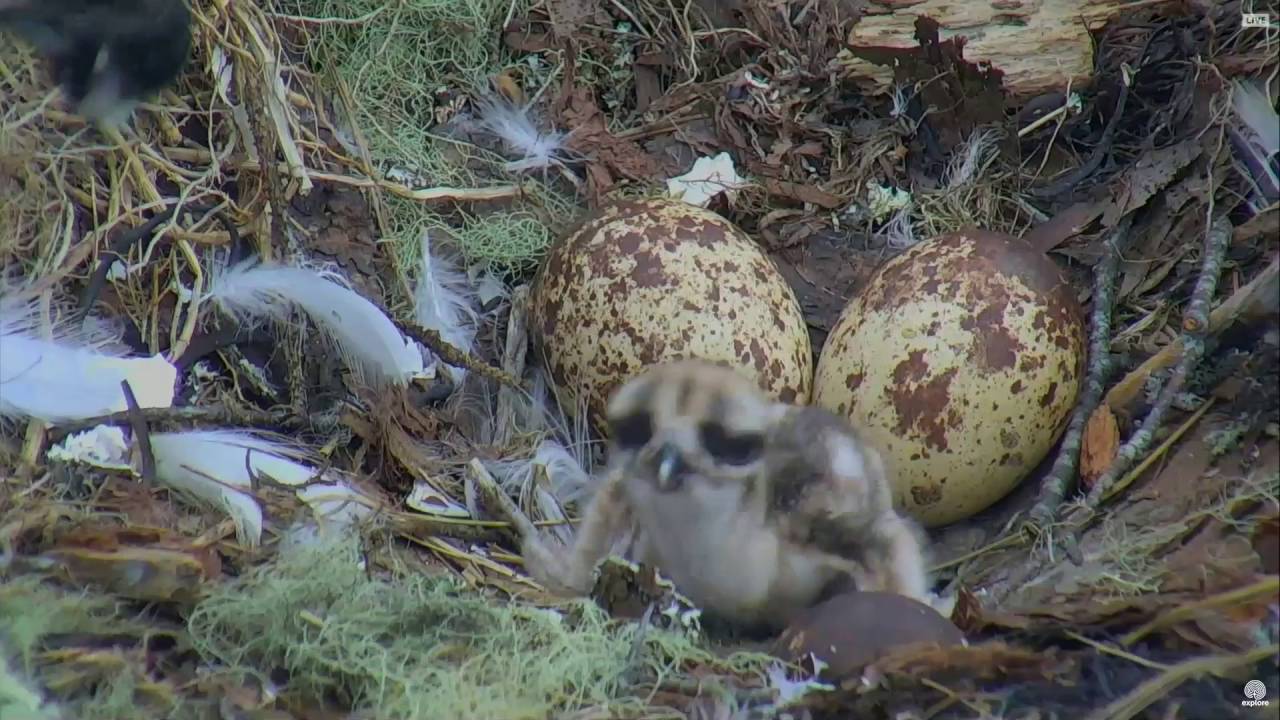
(574, 571)
(568, 571)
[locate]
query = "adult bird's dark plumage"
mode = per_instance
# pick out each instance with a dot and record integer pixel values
(107, 55)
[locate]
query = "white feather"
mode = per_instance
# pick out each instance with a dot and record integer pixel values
(899, 232)
(337, 503)
(973, 157)
(73, 375)
(445, 301)
(363, 334)
(517, 131)
(214, 466)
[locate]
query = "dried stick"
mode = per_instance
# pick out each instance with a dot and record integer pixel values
(1258, 592)
(213, 415)
(1249, 301)
(452, 355)
(141, 433)
(1100, 151)
(1140, 698)
(1061, 477)
(1195, 326)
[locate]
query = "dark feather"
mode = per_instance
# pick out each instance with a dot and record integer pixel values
(106, 54)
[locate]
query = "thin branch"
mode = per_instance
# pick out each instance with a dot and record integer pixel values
(141, 434)
(215, 415)
(1141, 697)
(1195, 326)
(1062, 476)
(453, 356)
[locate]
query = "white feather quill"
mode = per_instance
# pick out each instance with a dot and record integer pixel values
(446, 301)
(516, 129)
(214, 466)
(74, 374)
(363, 334)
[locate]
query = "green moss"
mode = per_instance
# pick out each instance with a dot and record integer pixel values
(420, 646)
(394, 64)
(113, 687)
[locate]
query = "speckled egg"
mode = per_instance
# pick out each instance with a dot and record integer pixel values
(961, 359)
(642, 282)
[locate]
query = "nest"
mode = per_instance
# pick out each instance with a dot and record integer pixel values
(347, 133)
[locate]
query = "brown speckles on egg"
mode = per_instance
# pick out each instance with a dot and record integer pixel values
(968, 351)
(921, 405)
(1047, 399)
(648, 281)
(926, 494)
(1009, 438)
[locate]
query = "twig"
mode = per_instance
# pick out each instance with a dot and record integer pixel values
(178, 415)
(499, 192)
(417, 525)
(1141, 697)
(952, 695)
(499, 501)
(453, 356)
(141, 434)
(1075, 177)
(1267, 588)
(119, 250)
(1116, 652)
(1241, 302)
(1159, 452)
(1063, 474)
(1195, 325)
(1063, 109)
(1008, 541)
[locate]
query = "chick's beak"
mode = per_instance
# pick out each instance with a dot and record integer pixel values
(668, 467)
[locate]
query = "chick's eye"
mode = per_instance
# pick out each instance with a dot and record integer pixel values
(728, 448)
(631, 432)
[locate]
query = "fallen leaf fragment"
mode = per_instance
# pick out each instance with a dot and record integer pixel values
(709, 177)
(1099, 445)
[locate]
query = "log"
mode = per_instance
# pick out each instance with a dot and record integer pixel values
(1041, 46)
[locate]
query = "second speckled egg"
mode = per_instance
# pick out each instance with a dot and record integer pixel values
(961, 360)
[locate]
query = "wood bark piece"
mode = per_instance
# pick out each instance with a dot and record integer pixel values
(1039, 45)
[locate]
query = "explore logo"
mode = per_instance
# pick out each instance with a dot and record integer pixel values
(1255, 691)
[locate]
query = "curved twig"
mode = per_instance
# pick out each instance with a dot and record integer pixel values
(1061, 477)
